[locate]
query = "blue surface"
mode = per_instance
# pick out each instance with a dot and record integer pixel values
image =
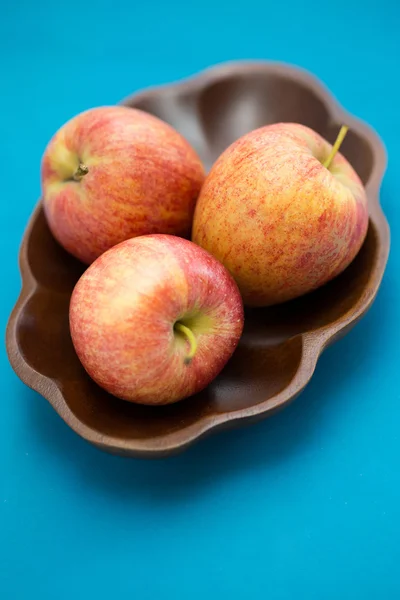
(305, 505)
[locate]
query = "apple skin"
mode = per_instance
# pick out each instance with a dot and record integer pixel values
(124, 308)
(281, 222)
(143, 177)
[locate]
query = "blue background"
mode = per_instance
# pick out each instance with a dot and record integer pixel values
(304, 505)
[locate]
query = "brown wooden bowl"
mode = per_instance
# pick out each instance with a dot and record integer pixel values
(280, 346)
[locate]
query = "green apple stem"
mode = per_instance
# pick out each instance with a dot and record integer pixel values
(342, 134)
(188, 333)
(81, 171)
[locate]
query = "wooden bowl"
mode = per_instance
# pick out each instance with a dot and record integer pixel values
(280, 346)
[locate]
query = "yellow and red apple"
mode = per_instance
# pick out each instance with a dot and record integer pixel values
(155, 319)
(283, 211)
(113, 173)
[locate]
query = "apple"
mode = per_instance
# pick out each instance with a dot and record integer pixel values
(155, 319)
(283, 210)
(112, 173)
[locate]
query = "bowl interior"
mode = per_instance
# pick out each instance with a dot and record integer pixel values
(269, 354)
(213, 117)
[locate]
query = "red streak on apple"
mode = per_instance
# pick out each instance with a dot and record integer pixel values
(124, 310)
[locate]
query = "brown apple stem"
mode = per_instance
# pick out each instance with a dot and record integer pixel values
(81, 171)
(342, 134)
(188, 333)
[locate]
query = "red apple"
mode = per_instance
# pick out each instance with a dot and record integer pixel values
(155, 319)
(114, 173)
(283, 211)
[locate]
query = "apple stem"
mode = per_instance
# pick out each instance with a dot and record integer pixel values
(342, 134)
(191, 339)
(81, 171)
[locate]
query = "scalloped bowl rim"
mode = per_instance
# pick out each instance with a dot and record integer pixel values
(313, 342)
